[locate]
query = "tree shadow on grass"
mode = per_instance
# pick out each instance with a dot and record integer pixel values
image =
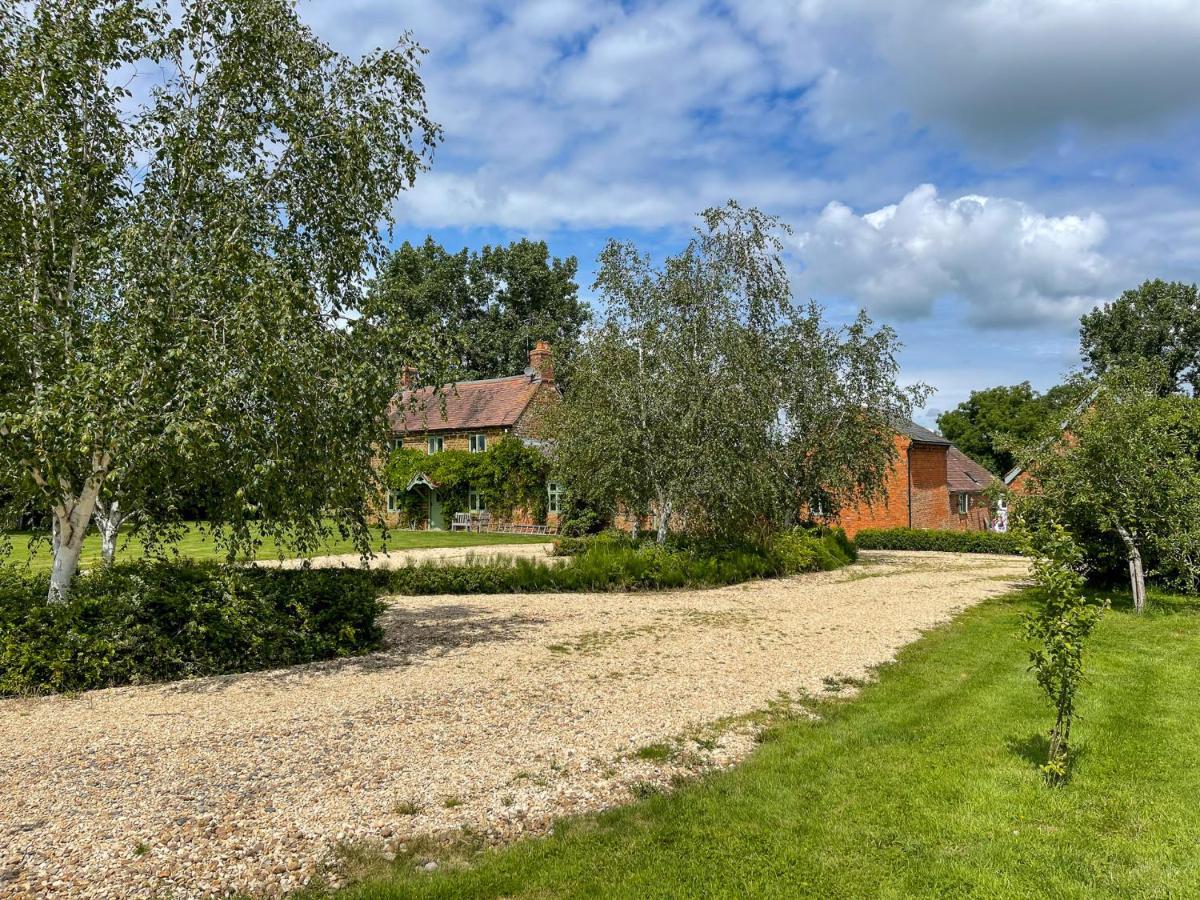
(411, 635)
(1035, 750)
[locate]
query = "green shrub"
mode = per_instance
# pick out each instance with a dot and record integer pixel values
(573, 546)
(613, 561)
(158, 621)
(949, 541)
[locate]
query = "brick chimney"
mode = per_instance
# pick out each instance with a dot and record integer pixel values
(541, 360)
(406, 378)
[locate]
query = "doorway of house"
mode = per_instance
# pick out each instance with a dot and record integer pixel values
(436, 520)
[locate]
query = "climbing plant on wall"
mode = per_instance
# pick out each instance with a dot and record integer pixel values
(510, 474)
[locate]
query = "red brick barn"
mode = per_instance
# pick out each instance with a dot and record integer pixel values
(926, 487)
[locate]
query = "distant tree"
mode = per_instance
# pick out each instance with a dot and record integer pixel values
(179, 269)
(704, 396)
(489, 306)
(1160, 321)
(993, 420)
(1126, 472)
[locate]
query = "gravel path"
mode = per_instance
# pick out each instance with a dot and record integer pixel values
(498, 712)
(420, 555)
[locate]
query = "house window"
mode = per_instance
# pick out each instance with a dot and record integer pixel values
(964, 503)
(393, 501)
(396, 443)
(816, 508)
(475, 502)
(437, 444)
(478, 443)
(555, 495)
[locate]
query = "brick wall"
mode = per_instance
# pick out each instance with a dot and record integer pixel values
(531, 422)
(890, 512)
(930, 494)
(976, 518)
(919, 473)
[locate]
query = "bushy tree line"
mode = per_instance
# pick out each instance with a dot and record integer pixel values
(706, 397)
(487, 308)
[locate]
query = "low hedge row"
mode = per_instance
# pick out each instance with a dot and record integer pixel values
(950, 541)
(612, 562)
(160, 621)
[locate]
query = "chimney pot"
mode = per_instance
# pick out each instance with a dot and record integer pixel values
(541, 360)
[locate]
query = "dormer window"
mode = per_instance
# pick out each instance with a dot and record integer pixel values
(477, 443)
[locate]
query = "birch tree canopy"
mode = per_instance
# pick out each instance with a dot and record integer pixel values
(705, 396)
(190, 199)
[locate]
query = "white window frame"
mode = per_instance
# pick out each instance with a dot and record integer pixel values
(476, 502)
(435, 441)
(393, 500)
(554, 497)
(964, 503)
(396, 443)
(477, 443)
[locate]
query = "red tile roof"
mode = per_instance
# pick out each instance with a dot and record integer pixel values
(490, 403)
(964, 474)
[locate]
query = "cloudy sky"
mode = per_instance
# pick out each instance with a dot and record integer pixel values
(975, 173)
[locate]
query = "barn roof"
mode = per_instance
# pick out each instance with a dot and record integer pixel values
(964, 474)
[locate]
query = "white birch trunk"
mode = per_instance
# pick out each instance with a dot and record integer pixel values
(664, 519)
(109, 518)
(71, 518)
(1137, 576)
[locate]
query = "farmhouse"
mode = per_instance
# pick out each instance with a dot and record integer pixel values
(472, 416)
(932, 484)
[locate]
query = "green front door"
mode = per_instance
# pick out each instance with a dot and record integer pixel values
(435, 511)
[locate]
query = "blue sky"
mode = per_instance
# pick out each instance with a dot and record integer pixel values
(975, 173)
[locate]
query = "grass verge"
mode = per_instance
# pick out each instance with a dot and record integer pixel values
(925, 785)
(197, 545)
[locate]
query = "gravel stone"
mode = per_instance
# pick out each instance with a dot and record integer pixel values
(501, 713)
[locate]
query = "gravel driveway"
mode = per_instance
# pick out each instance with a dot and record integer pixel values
(498, 712)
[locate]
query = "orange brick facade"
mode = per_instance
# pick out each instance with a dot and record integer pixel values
(918, 495)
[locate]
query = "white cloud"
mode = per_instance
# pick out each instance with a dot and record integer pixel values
(1006, 263)
(1007, 74)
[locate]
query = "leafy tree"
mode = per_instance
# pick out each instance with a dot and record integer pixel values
(1159, 321)
(992, 421)
(1125, 477)
(178, 265)
(1059, 627)
(490, 306)
(704, 396)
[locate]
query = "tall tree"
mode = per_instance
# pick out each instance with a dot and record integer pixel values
(491, 306)
(1160, 322)
(703, 396)
(992, 421)
(179, 256)
(1126, 473)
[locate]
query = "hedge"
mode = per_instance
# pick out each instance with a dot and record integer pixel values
(159, 621)
(949, 541)
(613, 561)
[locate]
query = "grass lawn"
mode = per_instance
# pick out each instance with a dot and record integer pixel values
(925, 785)
(197, 545)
